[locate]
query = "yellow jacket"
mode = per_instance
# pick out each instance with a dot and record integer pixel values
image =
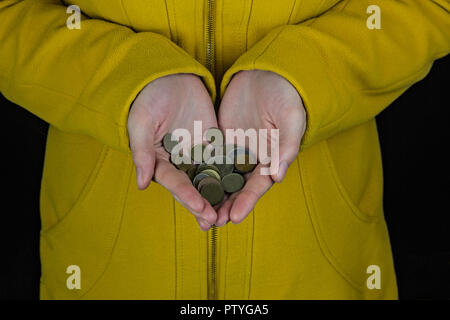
(312, 236)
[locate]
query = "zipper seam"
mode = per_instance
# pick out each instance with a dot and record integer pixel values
(210, 65)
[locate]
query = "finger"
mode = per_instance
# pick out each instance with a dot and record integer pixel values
(291, 133)
(223, 214)
(178, 183)
(247, 198)
(203, 224)
(143, 152)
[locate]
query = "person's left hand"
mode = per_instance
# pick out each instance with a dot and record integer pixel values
(261, 100)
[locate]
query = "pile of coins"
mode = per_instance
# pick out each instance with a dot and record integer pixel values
(214, 173)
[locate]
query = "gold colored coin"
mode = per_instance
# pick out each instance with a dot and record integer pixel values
(199, 177)
(205, 181)
(205, 166)
(212, 173)
(223, 163)
(244, 166)
(212, 191)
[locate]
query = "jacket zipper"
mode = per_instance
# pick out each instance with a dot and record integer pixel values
(210, 38)
(212, 263)
(212, 237)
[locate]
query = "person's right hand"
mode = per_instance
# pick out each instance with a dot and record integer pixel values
(166, 104)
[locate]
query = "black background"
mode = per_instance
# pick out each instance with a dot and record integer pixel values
(414, 135)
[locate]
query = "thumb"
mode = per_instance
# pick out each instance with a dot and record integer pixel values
(289, 144)
(143, 152)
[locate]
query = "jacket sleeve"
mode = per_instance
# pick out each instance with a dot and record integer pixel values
(345, 72)
(82, 80)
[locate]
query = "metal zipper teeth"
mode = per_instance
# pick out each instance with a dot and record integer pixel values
(212, 264)
(210, 64)
(210, 34)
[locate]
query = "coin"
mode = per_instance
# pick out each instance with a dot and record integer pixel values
(197, 152)
(223, 163)
(221, 166)
(168, 143)
(199, 177)
(206, 181)
(191, 172)
(182, 162)
(232, 182)
(212, 173)
(244, 165)
(212, 192)
(186, 167)
(205, 166)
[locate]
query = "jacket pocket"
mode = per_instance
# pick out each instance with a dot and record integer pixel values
(86, 234)
(349, 239)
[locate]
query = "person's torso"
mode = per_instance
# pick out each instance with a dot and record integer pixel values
(228, 27)
(312, 236)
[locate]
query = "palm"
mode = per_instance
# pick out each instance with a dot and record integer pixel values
(261, 100)
(166, 104)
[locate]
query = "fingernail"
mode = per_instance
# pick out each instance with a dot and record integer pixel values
(282, 171)
(205, 222)
(139, 176)
(176, 198)
(224, 223)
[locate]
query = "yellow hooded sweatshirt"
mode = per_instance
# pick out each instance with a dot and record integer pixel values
(317, 235)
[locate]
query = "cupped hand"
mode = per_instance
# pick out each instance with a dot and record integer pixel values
(165, 104)
(261, 100)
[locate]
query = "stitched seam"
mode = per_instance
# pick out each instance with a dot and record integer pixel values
(267, 47)
(200, 264)
(175, 247)
(365, 218)
(226, 266)
(326, 253)
(248, 25)
(244, 269)
(168, 20)
(13, 68)
(181, 250)
(222, 46)
(84, 193)
(125, 13)
(251, 256)
(113, 237)
(76, 103)
(174, 20)
(292, 11)
(401, 82)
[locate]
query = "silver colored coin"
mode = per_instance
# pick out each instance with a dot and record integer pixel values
(212, 173)
(199, 177)
(205, 166)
